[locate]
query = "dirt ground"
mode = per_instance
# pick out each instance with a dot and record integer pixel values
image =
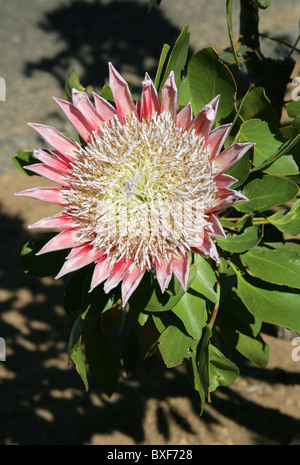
(42, 399)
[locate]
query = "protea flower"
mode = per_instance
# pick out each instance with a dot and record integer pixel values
(144, 189)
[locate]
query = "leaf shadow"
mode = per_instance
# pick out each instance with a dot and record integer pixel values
(91, 34)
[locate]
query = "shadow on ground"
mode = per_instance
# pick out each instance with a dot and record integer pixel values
(92, 34)
(43, 400)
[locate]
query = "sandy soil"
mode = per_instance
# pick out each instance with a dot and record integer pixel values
(42, 399)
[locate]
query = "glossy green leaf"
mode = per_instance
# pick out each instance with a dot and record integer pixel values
(228, 56)
(293, 110)
(107, 94)
(149, 298)
(78, 361)
(48, 264)
(230, 30)
(266, 193)
(202, 361)
(75, 336)
(289, 246)
(208, 77)
(77, 297)
(241, 169)
(72, 82)
(198, 367)
(256, 105)
(263, 3)
(162, 64)
(25, 158)
(175, 345)
(97, 301)
(75, 352)
(238, 243)
(289, 222)
(241, 329)
(205, 280)
(275, 266)
(283, 166)
(102, 361)
(222, 371)
(191, 309)
(174, 60)
(270, 305)
(184, 92)
(267, 141)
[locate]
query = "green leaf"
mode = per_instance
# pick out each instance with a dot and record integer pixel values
(270, 305)
(202, 362)
(48, 264)
(25, 158)
(97, 301)
(79, 363)
(230, 30)
(102, 361)
(75, 336)
(228, 56)
(191, 309)
(289, 246)
(293, 110)
(184, 92)
(288, 223)
(241, 169)
(77, 297)
(275, 266)
(174, 60)
(160, 321)
(263, 3)
(256, 105)
(205, 280)
(175, 345)
(283, 166)
(75, 352)
(222, 371)
(208, 77)
(241, 329)
(149, 298)
(107, 94)
(162, 64)
(72, 82)
(267, 140)
(266, 193)
(238, 243)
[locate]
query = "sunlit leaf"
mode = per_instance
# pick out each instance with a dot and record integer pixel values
(209, 77)
(267, 192)
(275, 266)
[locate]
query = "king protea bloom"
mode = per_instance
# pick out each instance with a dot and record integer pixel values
(142, 190)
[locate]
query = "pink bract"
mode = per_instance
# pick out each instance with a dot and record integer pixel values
(138, 156)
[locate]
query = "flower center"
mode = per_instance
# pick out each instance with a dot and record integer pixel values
(139, 190)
